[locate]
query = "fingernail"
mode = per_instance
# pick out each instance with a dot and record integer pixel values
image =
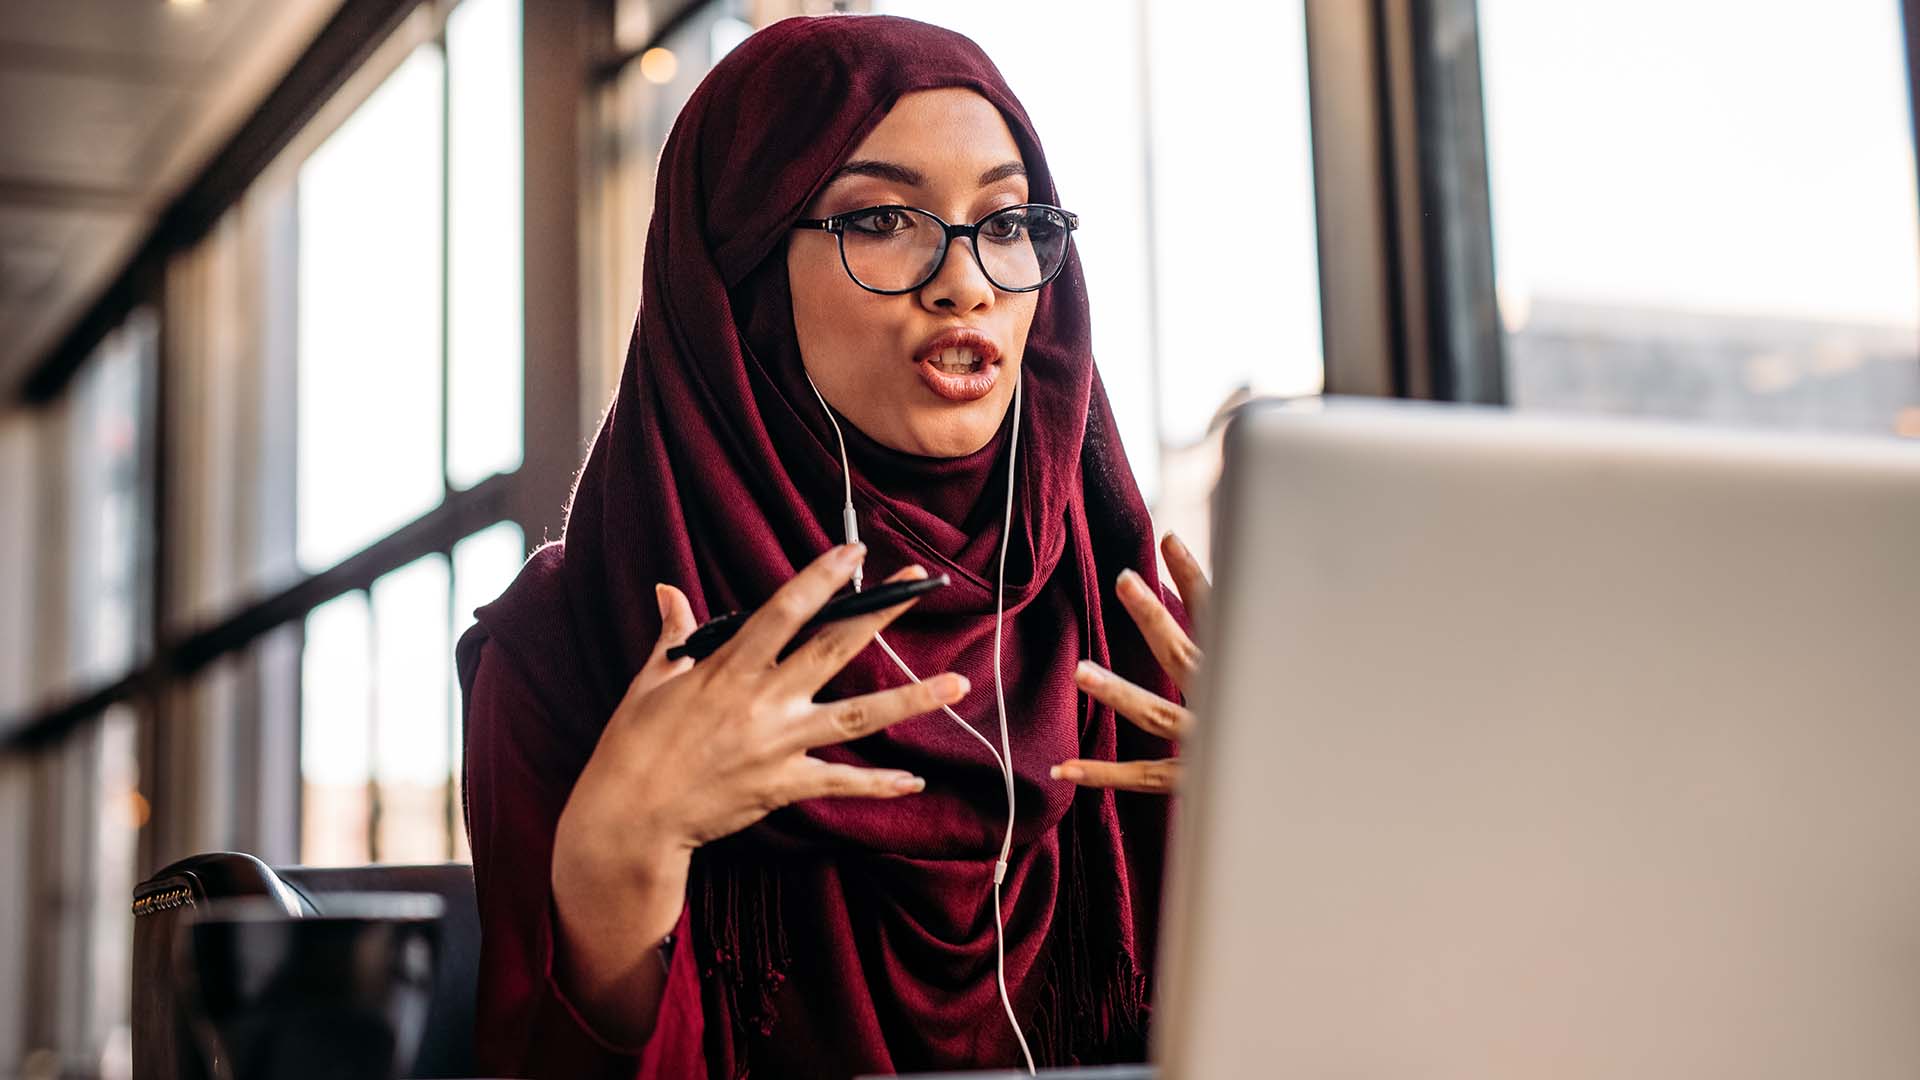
(1130, 580)
(1088, 671)
(908, 785)
(1073, 773)
(851, 554)
(660, 599)
(954, 687)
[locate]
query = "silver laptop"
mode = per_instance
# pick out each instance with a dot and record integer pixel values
(1544, 747)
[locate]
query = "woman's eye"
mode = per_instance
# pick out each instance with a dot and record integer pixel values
(1006, 227)
(882, 222)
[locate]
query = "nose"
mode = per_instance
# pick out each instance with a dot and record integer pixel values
(960, 286)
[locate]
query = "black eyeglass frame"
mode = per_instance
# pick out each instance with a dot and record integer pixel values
(837, 225)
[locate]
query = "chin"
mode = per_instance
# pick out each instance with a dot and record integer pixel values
(940, 433)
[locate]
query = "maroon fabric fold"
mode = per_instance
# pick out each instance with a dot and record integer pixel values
(836, 936)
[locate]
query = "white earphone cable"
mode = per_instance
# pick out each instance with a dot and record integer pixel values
(1003, 755)
(1006, 744)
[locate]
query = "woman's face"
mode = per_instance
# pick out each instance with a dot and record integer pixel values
(893, 364)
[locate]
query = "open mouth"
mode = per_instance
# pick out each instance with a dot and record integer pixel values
(959, 375)
(959, 364)
(959, 361)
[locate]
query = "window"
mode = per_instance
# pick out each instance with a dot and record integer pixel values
(78, 800)
(380, 747)
(393, 247)
(73, 506)
(339, 360)
(232, 413)
(20, 439)
(107, 503)
(484, 564)
(410, 360)
(336, 733)
(637, 110)
(412, 750)
(484, 241)
(117, 813)
(370, 318)
(1706, 210)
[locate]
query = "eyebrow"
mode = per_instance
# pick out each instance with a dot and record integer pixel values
(901, 174)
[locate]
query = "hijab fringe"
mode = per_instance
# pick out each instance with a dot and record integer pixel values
(1083, 1017)
(747, 951)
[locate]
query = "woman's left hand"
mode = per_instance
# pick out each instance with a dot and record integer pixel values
(1152, 713)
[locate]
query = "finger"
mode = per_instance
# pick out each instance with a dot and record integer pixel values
(1170, 644)
(1195, 591)
(1154, 777)
(676, 625)
(811, 778)
(676, 620)
(1149, 711)
(768, 629)
(852, 718)
(812, 664)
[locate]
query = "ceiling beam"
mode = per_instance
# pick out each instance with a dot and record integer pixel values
(353, 32)
(40, 195)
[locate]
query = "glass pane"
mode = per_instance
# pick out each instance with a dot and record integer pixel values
(1254, 55)
(66, 943)
(484, 564)
(232, 417)
(639, 111)
(63, 800)
(485, 337)
(1265, 258)
(369, 318)
(20, 897)
(1715, 221)
(412, 762)
(103, 497)
(22, 449)
(121, 812)
(336, 733)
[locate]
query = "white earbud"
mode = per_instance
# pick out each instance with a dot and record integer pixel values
(1003, 756)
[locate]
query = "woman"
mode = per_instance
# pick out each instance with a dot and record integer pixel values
(709, 869)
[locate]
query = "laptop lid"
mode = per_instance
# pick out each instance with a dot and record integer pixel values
(1551, 747)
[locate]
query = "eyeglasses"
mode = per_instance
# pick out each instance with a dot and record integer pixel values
(898, 249)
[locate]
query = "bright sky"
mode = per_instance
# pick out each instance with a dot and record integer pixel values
(369, 320)
(484, 326)
(1735, 155)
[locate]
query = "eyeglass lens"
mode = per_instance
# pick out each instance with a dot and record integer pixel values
(894, 249)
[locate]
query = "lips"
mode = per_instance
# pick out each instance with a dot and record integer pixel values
(959, 364)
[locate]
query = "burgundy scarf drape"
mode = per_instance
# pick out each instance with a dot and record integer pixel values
(837, 935)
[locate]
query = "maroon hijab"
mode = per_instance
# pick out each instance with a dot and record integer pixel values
(850, 935)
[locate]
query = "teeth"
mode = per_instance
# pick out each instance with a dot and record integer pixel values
(956, 361)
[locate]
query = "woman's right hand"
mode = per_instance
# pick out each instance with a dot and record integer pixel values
(695, 752)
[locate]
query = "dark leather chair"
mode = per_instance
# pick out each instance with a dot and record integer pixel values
(163, 1047)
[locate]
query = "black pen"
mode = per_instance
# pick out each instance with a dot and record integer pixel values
(717, 632)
